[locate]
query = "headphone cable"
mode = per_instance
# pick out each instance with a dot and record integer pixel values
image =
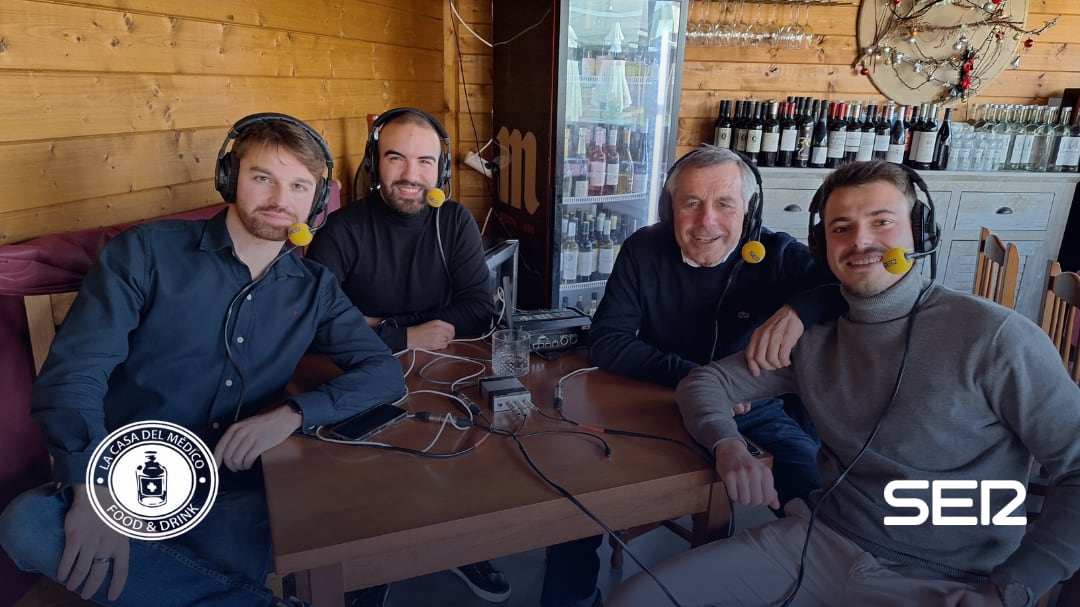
(866, 445)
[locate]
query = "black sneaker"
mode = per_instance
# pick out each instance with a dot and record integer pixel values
(368, 597)
(485, 581)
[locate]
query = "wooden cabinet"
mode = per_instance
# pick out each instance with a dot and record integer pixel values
(1027, 209)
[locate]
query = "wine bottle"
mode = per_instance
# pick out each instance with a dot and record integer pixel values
(722, 126)
(820, 139)
(770, 136)
(943, 143)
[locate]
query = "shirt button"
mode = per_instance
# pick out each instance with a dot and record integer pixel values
(215, 425)
(248, 297)
(239, 340)
(228, 383)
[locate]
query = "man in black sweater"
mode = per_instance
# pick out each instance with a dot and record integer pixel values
(680, 296)
(415, 270)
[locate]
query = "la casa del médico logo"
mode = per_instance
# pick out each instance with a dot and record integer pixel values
(161, 480)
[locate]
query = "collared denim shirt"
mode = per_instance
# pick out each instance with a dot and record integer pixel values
(146, 340)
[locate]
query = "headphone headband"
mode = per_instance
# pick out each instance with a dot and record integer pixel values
(369, 167)
(753, 218)
(227, 168)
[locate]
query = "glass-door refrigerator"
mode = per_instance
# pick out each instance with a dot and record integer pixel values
(585, 115)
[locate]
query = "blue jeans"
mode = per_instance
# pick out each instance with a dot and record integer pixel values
(572, 567)
(794, 451)
(222, 561)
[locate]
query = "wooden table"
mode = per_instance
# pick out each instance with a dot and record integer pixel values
(345, 517)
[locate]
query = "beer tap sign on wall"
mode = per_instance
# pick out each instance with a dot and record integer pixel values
(920, 51)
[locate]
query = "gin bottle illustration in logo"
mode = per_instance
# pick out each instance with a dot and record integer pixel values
(152, 477)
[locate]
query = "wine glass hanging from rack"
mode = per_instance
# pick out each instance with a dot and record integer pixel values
(733, 23)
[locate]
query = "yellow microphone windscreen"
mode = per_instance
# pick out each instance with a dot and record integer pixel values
(300, 234)
(753, 252)
(436, 197)
(896, 261)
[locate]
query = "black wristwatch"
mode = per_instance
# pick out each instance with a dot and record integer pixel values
(295, 407)
(1014, 594)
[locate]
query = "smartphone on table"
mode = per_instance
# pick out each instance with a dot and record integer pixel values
(367, 423)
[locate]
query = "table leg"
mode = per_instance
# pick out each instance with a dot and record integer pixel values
(714, 523)
(322, 587)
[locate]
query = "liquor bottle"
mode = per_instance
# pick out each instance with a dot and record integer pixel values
(1021, 139)
(585, 253)
(569, 254)
(882, 132)
(565, 301)
(804, 144)
(1031, 125)
(616, 237)
(898, 138)
(837, 136)
(568, 166)
(853, 141)
(742, 125)
(770, 136)
(943, 143)
(626, 163)
(1042, 143)
(1067, 152)
(593, 304)
(605, 251)
(819, 143)
(868, 125)
(597, 163)
(581, 162)
(641, 163)
(722, 126)
(923, 155)
(611, 168)
(580, 303)
(789, 137)
(152, 479)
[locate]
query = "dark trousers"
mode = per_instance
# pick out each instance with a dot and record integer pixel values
(573, 567)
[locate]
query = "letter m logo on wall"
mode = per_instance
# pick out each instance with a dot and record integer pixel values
(517, 175)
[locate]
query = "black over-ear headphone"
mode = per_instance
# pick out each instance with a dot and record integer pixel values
(925, 231)
(227, 170)
(369, 166)
(752, 219)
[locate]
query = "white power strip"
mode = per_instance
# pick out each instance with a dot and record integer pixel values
(476, 163)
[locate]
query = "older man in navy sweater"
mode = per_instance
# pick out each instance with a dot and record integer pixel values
(681, 295)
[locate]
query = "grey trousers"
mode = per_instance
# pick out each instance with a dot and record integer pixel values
(758, 567)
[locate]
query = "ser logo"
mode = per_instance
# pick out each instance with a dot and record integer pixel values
(939, 501)
(159, 480)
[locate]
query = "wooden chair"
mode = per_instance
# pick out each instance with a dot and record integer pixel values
(44, 313)
(1059, 314)
(1060, 303)
(997, 270)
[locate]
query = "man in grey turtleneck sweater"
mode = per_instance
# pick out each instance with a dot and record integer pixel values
(943, 386)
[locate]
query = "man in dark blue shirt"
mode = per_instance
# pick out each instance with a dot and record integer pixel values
(197, 323)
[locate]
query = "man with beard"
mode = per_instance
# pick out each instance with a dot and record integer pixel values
(417, 272)
(201, 324)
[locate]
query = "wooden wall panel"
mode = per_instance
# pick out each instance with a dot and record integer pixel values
(114, 110)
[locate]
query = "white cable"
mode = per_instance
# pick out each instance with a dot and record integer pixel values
(487, 217)
(453, 9)
(318, 435)
(453, 397)
(442, 427)
(573, 373)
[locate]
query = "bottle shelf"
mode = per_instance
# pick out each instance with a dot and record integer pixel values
(571, 201)
(582, 286)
